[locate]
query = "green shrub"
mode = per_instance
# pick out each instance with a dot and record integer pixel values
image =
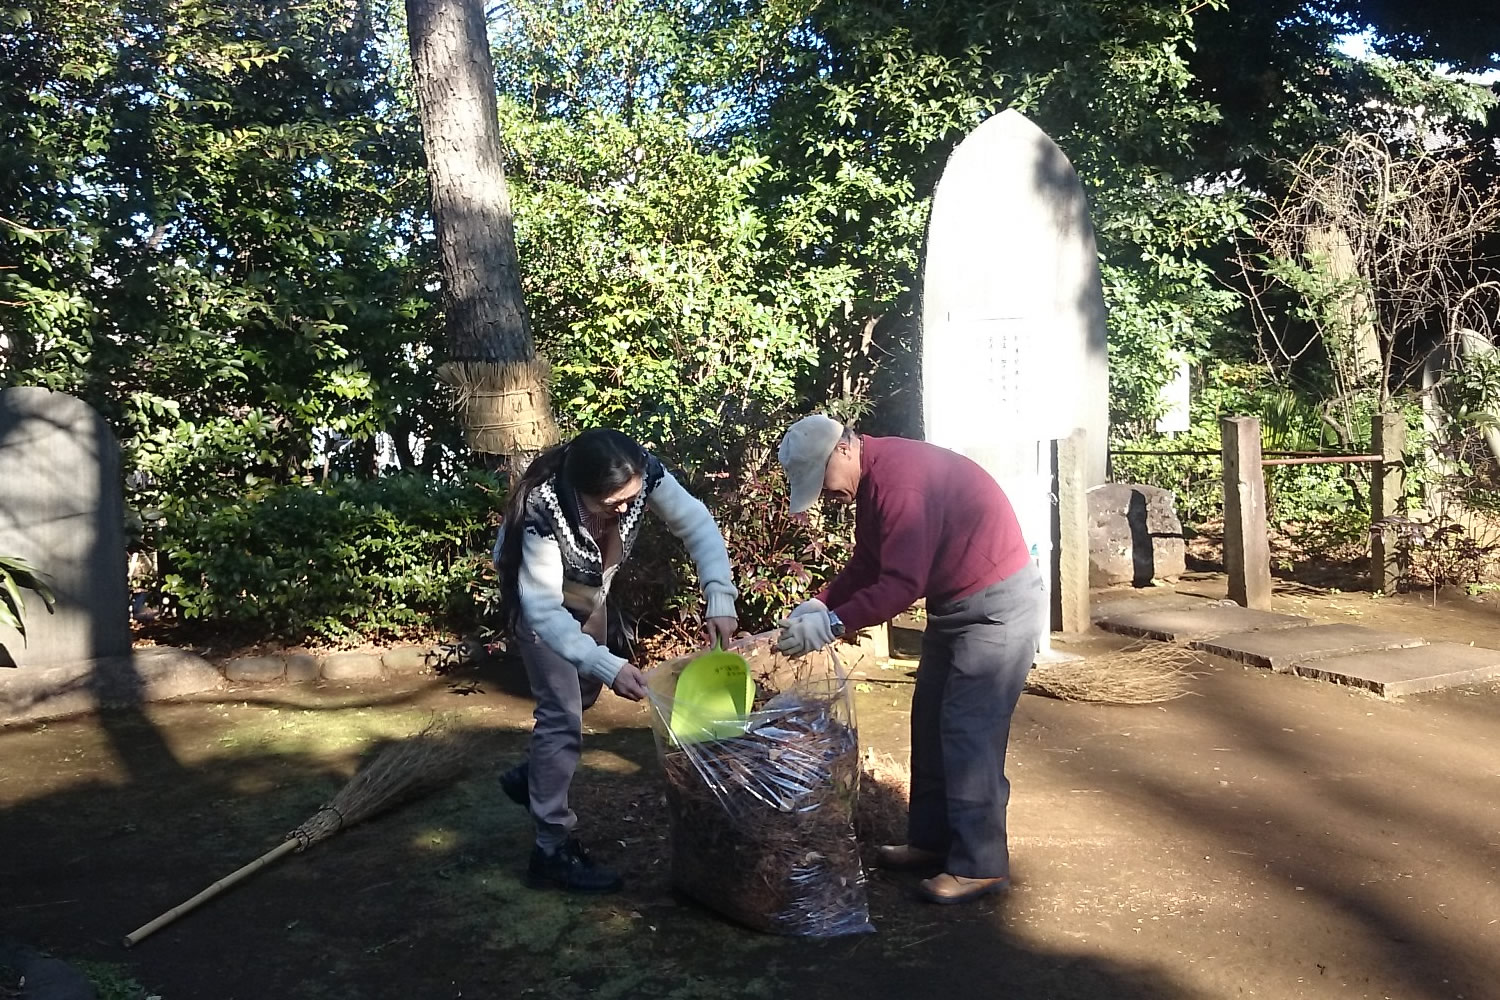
(779, 560)
(339, 561)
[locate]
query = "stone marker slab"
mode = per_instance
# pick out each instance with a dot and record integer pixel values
(1395, 672)
(1279, 649)
(1014, 324)
(1183, 624)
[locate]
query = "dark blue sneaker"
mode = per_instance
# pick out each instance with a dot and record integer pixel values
(516, 784)
(569, 867)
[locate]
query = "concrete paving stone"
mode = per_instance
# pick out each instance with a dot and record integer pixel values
(1112, 603)
(1200, 622)
(1395, 672)
(1278, 649)
(255, 669)
(351, 667)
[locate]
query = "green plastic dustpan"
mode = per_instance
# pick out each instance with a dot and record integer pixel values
(713, 698)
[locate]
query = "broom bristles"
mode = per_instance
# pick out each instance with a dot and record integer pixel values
(430, 758)
(1135, 675)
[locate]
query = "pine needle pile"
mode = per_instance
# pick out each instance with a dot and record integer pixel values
(763, 824)
(884, 799)
(1137, 675)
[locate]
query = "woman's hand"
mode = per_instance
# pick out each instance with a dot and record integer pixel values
(721, 630)
(630, 683)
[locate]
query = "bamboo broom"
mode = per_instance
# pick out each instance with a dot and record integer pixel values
(428, 759)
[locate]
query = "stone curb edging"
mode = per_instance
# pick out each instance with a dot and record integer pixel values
(159, 673)
(303, 668)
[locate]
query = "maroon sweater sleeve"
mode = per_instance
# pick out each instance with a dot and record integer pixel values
(894, 571)
(861, 571)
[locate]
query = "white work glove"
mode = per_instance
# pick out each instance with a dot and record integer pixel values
(810, 607)
(807, 628)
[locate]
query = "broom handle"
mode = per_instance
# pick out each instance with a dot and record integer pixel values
(134, 937)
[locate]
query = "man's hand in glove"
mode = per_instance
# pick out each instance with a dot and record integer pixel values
(807, 628)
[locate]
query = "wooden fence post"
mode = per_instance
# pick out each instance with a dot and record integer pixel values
(1070, 543)
(1387, 486)
(1247, 551)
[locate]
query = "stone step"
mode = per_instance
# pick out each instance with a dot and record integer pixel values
(1183, 624)
(1113, 603)
(1280, 649)
(1395, 672)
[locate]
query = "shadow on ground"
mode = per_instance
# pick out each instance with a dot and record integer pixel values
(122, 817)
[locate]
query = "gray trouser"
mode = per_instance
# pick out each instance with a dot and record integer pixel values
(557, 738)
(976, 653)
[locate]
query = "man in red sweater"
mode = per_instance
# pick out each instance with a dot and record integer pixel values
(930, 523)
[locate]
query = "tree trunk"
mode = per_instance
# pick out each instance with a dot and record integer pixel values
(1356, 347)
(499, 382)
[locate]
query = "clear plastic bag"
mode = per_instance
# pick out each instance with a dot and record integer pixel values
(762, 809)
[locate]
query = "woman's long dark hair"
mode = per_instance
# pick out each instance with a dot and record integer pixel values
(595, 463)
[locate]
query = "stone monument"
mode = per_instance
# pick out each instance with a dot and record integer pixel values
(62, 510)
(1014, 357)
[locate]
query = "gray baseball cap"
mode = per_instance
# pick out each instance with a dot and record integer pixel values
(804, 453)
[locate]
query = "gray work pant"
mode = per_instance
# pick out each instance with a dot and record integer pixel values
(562, 695)
(976, 653)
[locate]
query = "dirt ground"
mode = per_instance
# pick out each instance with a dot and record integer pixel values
(1264, 836)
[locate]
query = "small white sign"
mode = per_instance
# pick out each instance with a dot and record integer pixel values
(1176, 398)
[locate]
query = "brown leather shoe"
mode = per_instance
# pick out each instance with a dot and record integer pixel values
(904, 857)
(947, 888)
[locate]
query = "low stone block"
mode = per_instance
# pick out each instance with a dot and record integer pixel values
(255, 669)
(1395, 672)
(169, 672)
(351, 667)
(407, 659)
(31, 693)
(1280, 649)
(1183, 624)
(302, 668)
(150, 673)
(1135, 535)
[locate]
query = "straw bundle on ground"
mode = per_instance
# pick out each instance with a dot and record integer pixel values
(1137, 675)
(430, 758)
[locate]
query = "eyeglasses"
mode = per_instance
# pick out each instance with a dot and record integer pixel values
(610, 505)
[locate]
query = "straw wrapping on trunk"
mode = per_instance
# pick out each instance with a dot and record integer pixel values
(503, 409)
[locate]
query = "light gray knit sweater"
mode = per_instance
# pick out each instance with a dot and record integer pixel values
(563, 578)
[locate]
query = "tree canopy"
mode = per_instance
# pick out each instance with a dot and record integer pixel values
(216, 225)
